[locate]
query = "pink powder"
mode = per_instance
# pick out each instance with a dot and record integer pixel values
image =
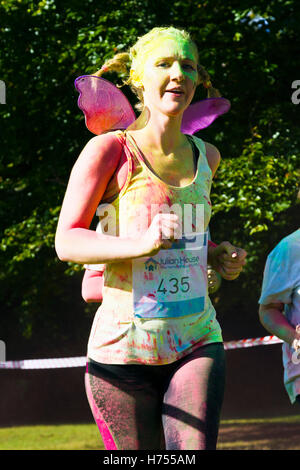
(107, 438)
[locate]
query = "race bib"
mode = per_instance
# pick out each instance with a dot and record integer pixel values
(173, 283)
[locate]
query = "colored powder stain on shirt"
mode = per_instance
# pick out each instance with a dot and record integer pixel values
(203, 272)
(172, 343)
(147, 347)
(168, 201)
(208, 201)
(177, 340)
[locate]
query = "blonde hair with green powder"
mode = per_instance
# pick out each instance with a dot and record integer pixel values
(129, 63)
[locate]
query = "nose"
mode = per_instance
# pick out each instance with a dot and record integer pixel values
(176, 71)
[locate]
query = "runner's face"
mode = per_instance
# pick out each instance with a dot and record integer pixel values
(170, 76)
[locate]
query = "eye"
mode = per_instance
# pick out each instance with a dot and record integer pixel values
(163, 64)
(188, 67)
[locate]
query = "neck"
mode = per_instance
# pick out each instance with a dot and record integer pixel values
(162, 132)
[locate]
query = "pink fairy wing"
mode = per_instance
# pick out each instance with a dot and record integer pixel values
(105, 107)
(202, 114)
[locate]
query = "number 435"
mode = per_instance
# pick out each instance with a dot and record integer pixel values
(181, 284)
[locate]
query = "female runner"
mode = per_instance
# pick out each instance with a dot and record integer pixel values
(155, 369)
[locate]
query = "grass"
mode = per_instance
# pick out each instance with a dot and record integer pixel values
(51, 437)
(279, 433)
(238, 434)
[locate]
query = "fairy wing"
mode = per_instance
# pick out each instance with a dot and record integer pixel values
(106, 108)
(202, 114)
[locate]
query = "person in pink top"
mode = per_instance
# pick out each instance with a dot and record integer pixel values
(156, 368)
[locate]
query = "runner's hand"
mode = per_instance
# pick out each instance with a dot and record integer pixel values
(160, 234)
(227, 260)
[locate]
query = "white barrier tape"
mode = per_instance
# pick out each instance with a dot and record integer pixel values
(57, 363)
(248, 343)
(45, 363)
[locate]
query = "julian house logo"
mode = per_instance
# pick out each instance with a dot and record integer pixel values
(2, 351)
(296, 95)
(2, 92)
(151, 264)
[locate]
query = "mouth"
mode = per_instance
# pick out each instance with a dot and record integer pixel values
(175, 92)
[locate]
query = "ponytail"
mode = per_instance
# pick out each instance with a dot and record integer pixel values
(204, 78)
(120, 63)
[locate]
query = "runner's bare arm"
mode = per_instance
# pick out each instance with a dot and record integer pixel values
(274, 321)
(88, 180)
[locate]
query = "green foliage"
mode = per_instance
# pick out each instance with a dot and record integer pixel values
(258, 184)
(250, 50)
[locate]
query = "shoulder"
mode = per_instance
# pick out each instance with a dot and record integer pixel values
(279, 260)
(288, 247)
(213, 157)
(103, 144)
(294, 239)
(212, 153)
(101, 151)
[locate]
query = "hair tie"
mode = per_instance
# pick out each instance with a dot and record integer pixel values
(207, 84)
